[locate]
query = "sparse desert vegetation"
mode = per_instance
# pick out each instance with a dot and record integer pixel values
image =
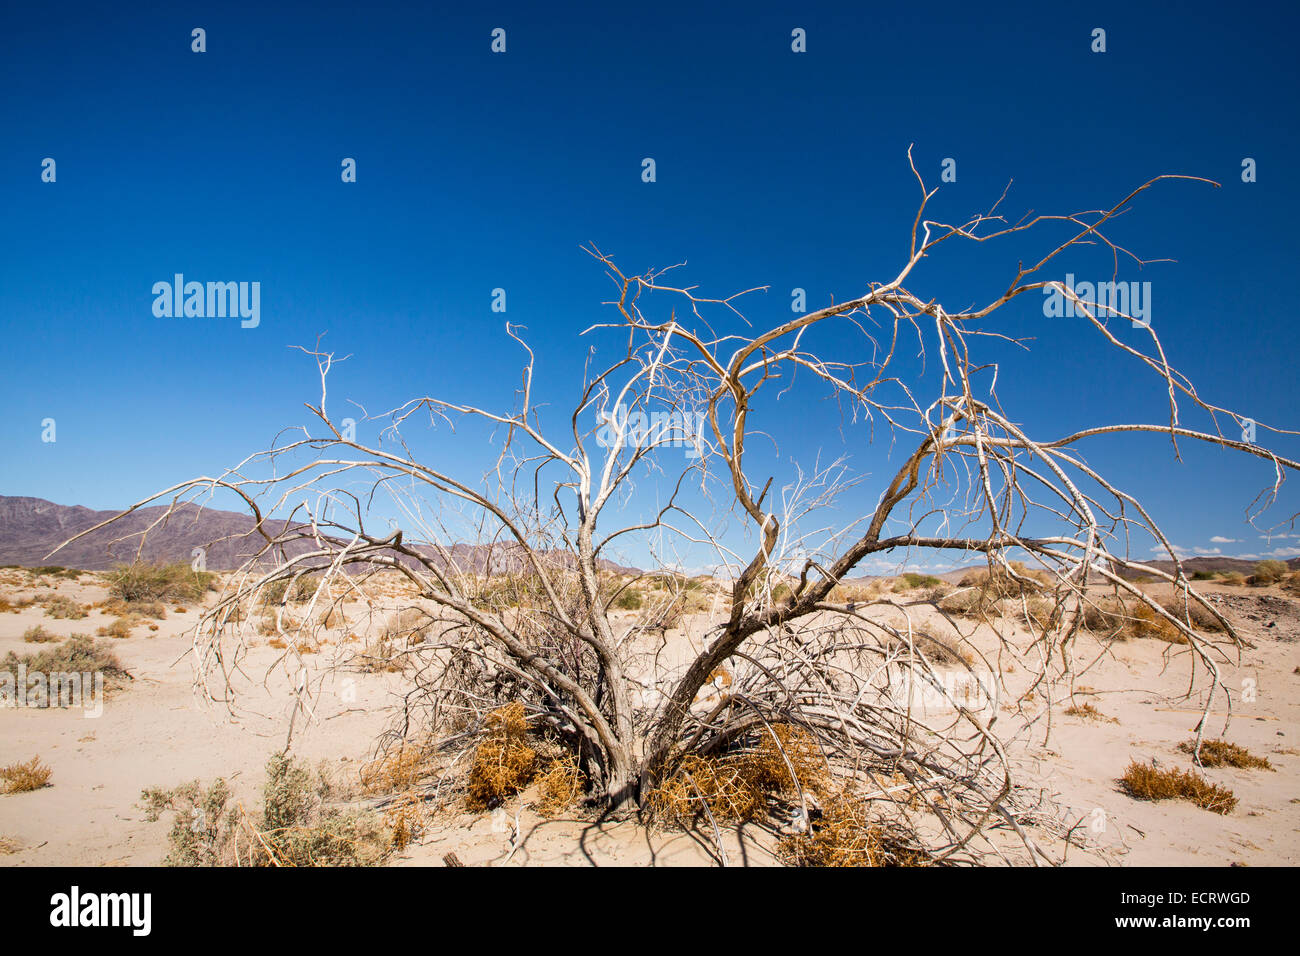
(295, 827)
(24, 777)
(150, 582)
(1143, 781)
(1222, 753)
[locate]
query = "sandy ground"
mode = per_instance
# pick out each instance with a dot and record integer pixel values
(154, 733)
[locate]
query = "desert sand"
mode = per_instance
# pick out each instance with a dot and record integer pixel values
(155, 733)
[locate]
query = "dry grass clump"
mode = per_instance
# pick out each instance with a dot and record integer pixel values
(119, 629)
(63, 608)
(9, 845)
(726, 786)
(144, 581)
(855, 593)
(1088, 712)
(38, 635)
(1119, 622)
(1037, 612)
(128, 609)
(967, 602)
(734, 787)
(939, 650)
(1222, 753)
(560, 786)
(503, 763)
(400, 769)
(1234, 578)
(785, 747)
(406, 819)
(1145, 782)
(997, 582)
(1146, 622)
(1201, 617)
(22, 777)
(845, 836)
(384, 654)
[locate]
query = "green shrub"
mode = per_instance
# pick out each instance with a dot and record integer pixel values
(63, 608)
(78, 654)
(629, 599)
(294, 828)
(910, 580)
(143, 581)
(1270, 572)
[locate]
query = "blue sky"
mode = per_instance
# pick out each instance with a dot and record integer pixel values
(479, 171)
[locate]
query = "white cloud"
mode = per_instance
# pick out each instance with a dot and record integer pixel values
(1209, 550)
(1220, 539)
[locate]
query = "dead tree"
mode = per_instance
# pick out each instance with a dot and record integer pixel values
(529, 615)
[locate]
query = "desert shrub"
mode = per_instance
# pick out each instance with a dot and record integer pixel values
(1204, 575)
(967, 602)
(854, 593)
(1270, 571)
(128, 609)
(78, 654)
(939, 650)
(1146, 622)
(63, 608)
(1201, 617)
(910, 580)
(1037, 612)
(998, 582)
(56, 571)
(38, 635)
(1234, 578)
(143, 581)
(1221, 753)
(22, 777)
(119, 629)
(1088, 712)
(303, 589)
(295, 827)
(1145, 782)
(629, 599)
(665, 615)
(400, 769)
(843, 835)
(504, 763)
(384, 654)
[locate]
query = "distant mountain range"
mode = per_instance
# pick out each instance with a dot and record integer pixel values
(30, 528)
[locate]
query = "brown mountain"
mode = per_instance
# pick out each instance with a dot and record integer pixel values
(30, 528)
